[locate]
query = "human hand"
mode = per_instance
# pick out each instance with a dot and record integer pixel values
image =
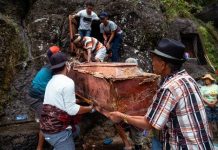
(105, 42)
(212, 105)
(115, 116)
(108, 46)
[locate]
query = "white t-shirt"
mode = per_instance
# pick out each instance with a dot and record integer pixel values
(60, 92)
(111, 26)
(86, 20)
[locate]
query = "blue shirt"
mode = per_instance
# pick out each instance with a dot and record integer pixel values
(41, 79)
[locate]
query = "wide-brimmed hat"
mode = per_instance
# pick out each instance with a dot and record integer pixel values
(208, 76)
(52, 50)
(58, 60)
(76, 38)
(171, 50)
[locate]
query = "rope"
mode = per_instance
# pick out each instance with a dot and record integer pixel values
(24, 63)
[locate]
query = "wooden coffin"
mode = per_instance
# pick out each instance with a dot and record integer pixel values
(115, 86)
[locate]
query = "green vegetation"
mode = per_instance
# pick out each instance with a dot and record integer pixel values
(187, 9)
(176, 8)
(209, 40)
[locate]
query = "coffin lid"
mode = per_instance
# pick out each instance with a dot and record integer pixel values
(115, 71)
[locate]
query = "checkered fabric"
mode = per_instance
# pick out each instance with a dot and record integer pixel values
(178, 110)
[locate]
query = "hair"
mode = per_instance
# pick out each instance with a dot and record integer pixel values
(89, 3)
(58, 70)
(174, 67)
(173, 64)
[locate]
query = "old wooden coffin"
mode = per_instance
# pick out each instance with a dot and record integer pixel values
(115, 86)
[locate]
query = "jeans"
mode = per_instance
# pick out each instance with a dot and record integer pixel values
(115, 47)
(62, 140)
(84, 33)
(156, 144)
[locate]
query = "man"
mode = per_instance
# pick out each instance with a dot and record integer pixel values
(91, 45)
(86, 18)
(113, 36)
(60, 106)
(177, 107)
(37, 90)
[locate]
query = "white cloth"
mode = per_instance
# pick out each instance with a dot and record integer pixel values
(100, 54)
(86, 20)
(60, 92)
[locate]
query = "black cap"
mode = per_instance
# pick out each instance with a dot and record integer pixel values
(171, 50)
(58, 60)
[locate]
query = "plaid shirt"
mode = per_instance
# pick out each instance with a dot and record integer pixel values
(178, 109)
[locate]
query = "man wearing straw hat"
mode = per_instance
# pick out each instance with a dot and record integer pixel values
(210, 94)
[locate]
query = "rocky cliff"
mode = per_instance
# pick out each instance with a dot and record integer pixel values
(29, 27)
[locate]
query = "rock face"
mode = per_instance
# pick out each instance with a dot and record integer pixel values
(210, 13)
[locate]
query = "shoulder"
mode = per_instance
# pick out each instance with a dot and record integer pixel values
(179, 81)
(215, 85)
(83, 12)
(94, 14)
(112, 23)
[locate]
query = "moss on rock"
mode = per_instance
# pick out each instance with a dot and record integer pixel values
(12, 51)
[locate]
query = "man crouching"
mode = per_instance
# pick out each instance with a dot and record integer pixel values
(91, 45)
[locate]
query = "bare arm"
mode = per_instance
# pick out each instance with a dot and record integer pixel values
(137, 121)
(105, 38)
(85, 109)
(89, 55)
(111, 37)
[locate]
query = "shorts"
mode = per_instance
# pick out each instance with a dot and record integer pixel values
(37, 107)
(212, 114)
(100, 54)
(62, 140)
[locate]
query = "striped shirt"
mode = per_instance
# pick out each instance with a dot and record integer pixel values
(91, 43)
(178, 110)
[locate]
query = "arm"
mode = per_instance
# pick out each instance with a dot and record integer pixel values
(89, 55)
(137, 121)
(76, 15)
(105, 38)
(85, 109)
(111, 37)
(70, 101)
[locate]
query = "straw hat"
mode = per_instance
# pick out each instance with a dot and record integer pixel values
(76, 38)
(208, 76)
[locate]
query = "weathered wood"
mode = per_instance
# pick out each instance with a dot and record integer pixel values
(115, 86)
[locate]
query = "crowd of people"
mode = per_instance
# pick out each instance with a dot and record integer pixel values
(181, 109)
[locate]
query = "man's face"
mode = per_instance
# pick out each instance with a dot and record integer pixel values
(104, 20)
(89, 9)
(158, 64)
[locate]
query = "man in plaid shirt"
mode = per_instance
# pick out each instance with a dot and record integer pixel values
(177, 107)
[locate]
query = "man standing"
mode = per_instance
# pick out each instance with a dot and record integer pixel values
(113, 36)
(37, 90)
(91, 45)
(177, 107)
(86, 18)
(60, 106)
